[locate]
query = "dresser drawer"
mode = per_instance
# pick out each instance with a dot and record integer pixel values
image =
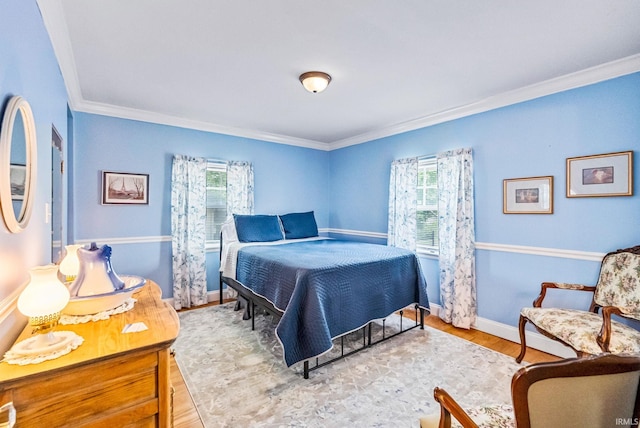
(123, 387)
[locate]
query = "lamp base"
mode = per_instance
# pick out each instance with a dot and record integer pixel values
(42, 347)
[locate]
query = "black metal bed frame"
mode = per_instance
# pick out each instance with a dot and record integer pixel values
(254, 300)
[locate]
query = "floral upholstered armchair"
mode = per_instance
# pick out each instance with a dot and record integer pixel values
(593, 332)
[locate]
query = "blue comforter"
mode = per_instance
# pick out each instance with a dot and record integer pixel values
(328, 287)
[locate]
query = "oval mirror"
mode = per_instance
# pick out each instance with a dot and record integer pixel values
(18, 164)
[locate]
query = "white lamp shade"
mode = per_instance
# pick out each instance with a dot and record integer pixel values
(45, 294)
(315, 81)
(70, 264)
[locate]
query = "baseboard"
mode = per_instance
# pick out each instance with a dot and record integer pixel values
(508, 332)
(212, 296)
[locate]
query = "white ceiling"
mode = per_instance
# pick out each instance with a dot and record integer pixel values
(232, 66)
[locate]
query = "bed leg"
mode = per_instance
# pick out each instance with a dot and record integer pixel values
(421, 318)
(306, 369)
(252, 310)
(221, 300)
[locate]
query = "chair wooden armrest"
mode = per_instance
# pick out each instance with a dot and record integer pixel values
(604, 336)
(449, 407)
(537, 303)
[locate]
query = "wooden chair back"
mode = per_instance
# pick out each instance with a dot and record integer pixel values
(597, 391)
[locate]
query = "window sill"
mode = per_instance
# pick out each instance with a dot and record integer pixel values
(427, 253)
(212, 246)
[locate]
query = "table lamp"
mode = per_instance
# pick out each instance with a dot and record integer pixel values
(42, 301)
(70, 264)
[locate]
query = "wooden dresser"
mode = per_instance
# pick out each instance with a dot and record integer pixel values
(113, 379)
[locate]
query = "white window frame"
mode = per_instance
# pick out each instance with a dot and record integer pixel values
(214, 244)
(426, 163)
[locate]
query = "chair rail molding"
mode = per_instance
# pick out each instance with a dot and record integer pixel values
(487, 246)
(542, 251)
(127, 240)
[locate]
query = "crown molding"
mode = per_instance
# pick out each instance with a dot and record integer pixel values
(54, 19)
(180, 122)
(567, 82)
(56, 24)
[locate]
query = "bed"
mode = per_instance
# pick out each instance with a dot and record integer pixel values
(320, 288)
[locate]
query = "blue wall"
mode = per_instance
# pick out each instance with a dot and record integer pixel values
(287, 179)
(28, 68)
(533, 138)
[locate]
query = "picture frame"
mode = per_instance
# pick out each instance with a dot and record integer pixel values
(125, 188)
(18, 179)
(609, 174)
(530, 195)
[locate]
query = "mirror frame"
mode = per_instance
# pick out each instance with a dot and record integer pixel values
(16, 105)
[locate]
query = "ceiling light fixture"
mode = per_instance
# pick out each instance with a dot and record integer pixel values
(315, 81)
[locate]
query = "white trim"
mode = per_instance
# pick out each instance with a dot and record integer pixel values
(212, 296)
(10, 303)
(575, 80)
(357, 233)
(541, 251)
(82, 105)
(520, 249)
(534, 340)
(128, 240)
(56, 24)
(510, 333)
(509, 248)
(589, 76)
(53, 17)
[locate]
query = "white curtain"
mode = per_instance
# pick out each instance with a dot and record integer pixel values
(457, 238)
(239, 187)
(239, 201)
(188, 237)
(402, 227)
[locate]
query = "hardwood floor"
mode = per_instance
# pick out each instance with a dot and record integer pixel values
(185, 414)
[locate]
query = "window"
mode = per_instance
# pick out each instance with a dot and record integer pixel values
(427, 214)
(216, 199)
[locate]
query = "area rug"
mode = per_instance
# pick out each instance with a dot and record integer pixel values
(238, 378)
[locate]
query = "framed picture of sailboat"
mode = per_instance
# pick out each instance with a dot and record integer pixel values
(124, 188)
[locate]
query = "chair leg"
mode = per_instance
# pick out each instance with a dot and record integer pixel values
(523, 340)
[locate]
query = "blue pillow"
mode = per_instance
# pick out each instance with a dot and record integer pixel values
(299, 225)
(257, 228)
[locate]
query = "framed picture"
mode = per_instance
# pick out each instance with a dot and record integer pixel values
(18, 178)
(609, 174)
(124, 188)
(533, 195)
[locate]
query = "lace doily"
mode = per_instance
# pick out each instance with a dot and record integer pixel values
(81, 319)
(14, 355)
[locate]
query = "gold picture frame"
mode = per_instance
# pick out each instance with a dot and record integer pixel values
(609, 174)
(530, 195)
